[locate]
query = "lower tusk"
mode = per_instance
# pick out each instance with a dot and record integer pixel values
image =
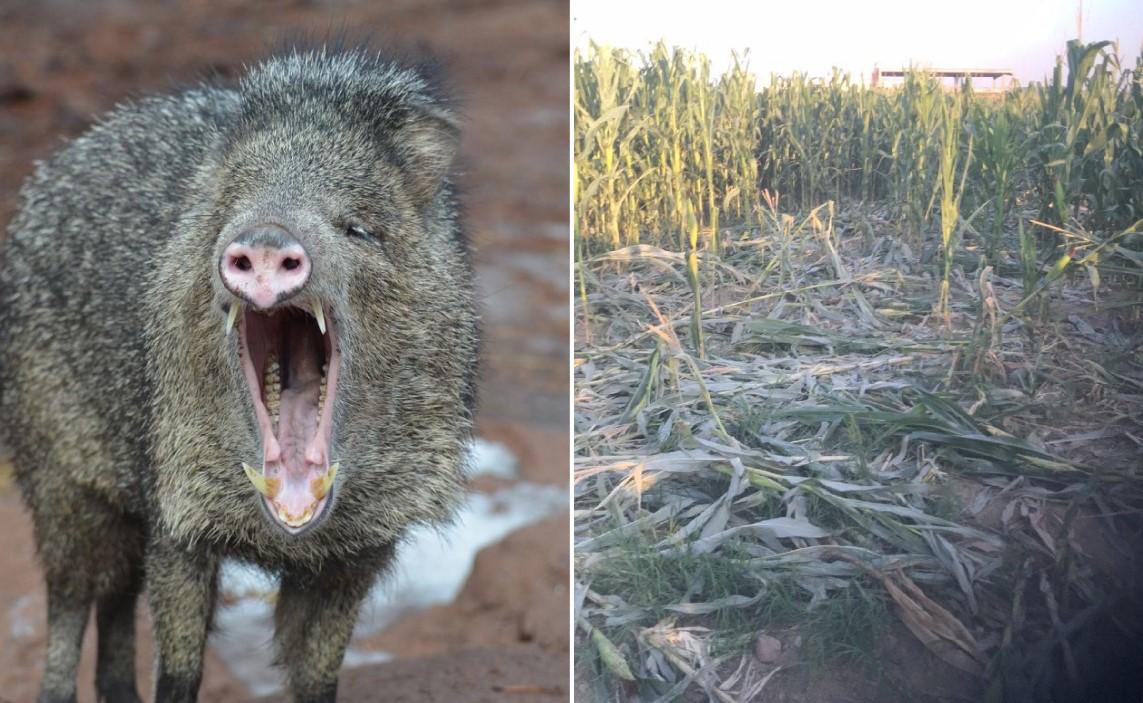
(319, 487)
(266, 486)
(231, 316)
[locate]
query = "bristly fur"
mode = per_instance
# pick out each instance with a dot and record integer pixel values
(122, 399)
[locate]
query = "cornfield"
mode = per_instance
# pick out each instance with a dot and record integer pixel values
(656, 134)
(833, 369)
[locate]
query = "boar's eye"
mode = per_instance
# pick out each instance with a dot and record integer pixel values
(359, 232)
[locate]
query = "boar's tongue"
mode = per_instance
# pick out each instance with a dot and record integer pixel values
(302, 390)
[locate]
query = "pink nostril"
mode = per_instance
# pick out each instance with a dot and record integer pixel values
(265, 265)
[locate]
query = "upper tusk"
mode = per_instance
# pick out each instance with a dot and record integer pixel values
(231, 316)
(319, 315)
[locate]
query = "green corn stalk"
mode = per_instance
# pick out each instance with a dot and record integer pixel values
(952, 115)
(1030, 268)
(695, 284)
(701, 125)
(601, 113)
(1079, 132)
(647, 385)
(998, 158)
(580, 267)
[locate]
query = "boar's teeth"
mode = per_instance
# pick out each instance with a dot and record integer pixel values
(270, 373)
(272, 388)
(266, 486)
(231, 316)
(321, 391)
(319, 487)
(319, 315)
(293, 521)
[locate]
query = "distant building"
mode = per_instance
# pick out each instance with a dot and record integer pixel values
(1002, 80)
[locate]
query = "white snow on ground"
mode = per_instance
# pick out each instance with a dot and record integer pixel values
(432, 567)
(492, 459)
(21, 623)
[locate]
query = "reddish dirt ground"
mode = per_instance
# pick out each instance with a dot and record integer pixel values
(64, 61)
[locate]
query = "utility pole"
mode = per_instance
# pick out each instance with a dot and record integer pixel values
(1079, 22)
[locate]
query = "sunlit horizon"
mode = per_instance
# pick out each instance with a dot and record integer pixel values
(815, 36)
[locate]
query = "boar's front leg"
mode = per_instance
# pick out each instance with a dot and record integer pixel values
(314, 619)
(182, 586)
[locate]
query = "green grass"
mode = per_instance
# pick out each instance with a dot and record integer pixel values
(841, 629)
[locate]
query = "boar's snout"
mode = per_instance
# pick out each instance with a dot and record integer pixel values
(264, 265)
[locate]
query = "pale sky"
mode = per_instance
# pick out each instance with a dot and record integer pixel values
(813, 35)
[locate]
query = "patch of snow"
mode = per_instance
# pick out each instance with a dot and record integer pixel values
(20, 621)
(244, 631)
(362, 657)
(432, 565)
(491, 459)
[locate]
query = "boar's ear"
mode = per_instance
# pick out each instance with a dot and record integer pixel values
(427, 143)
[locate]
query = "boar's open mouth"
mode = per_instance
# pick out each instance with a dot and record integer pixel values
(290, 360)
